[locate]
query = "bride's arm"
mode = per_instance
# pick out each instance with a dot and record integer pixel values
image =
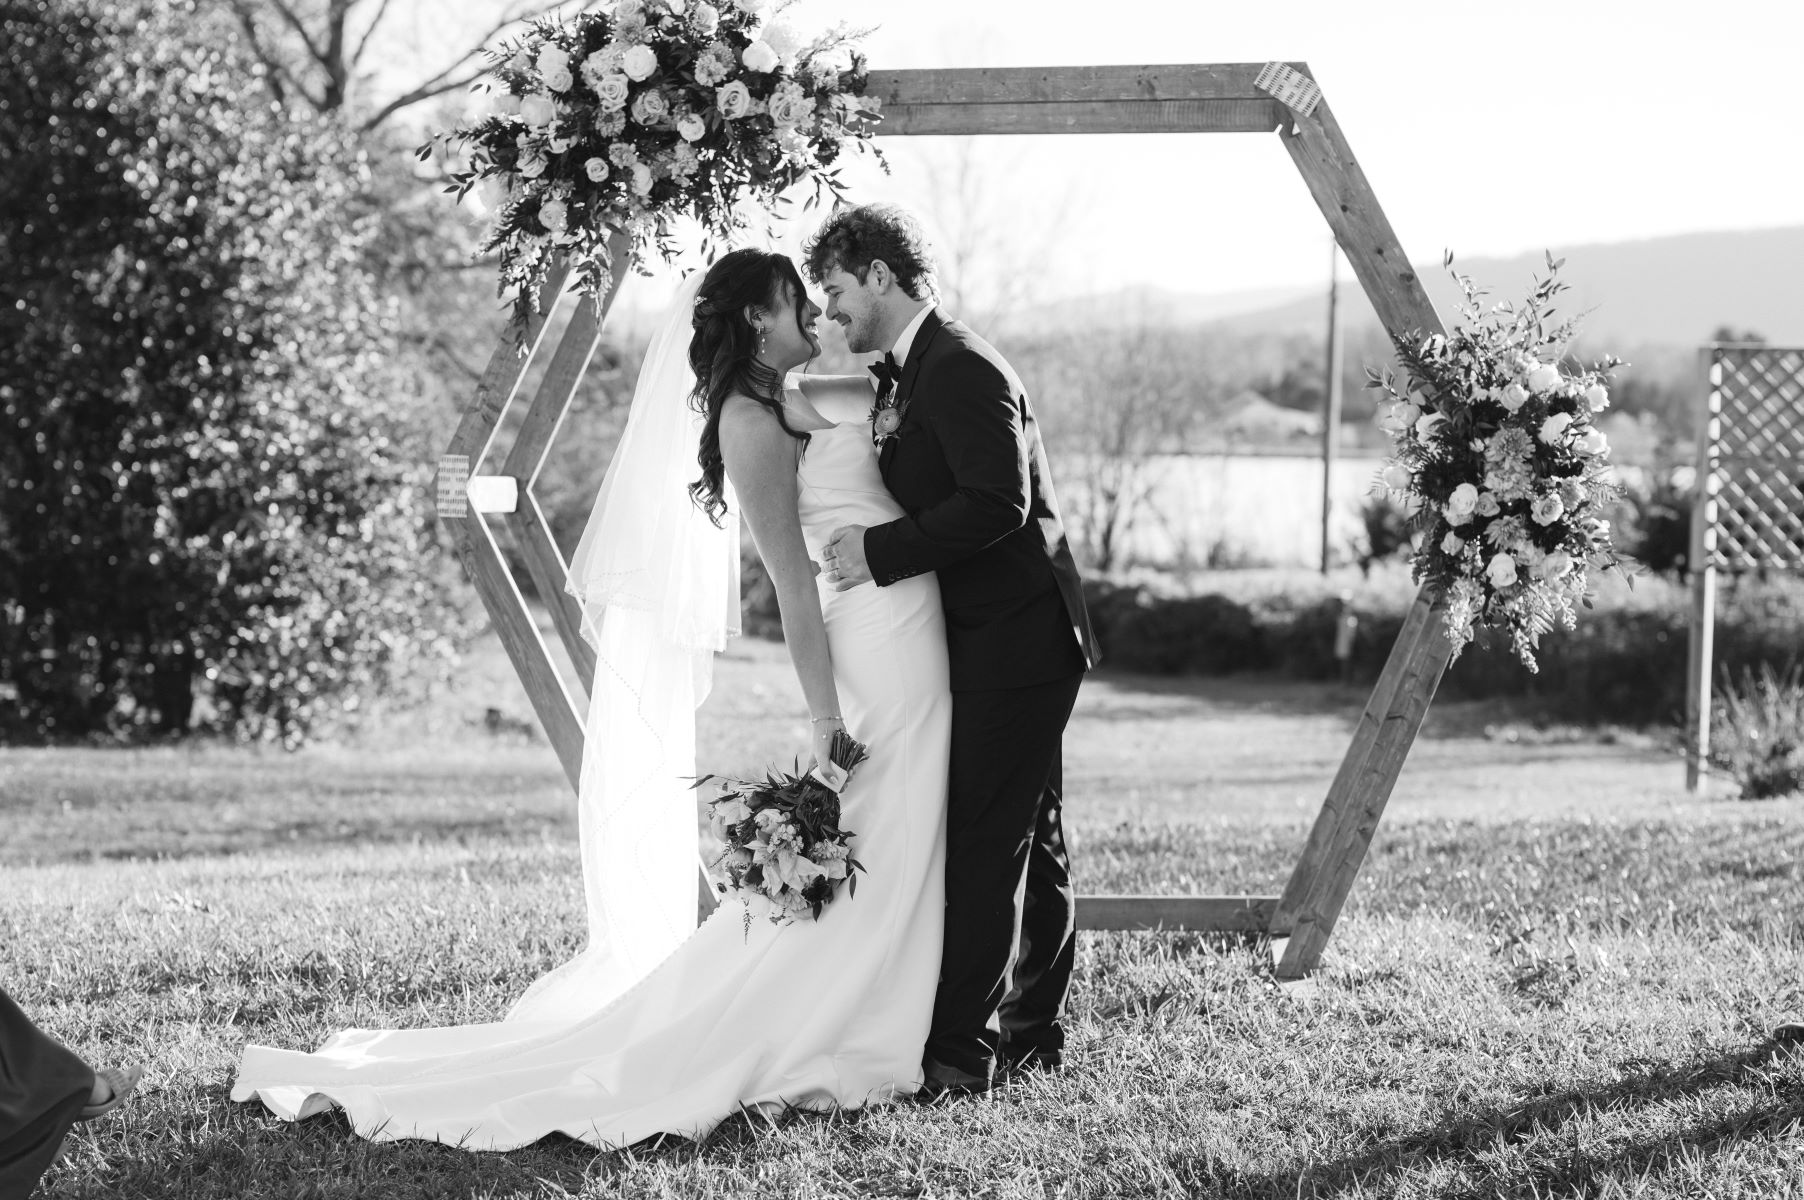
(839, 397)
(760, 460)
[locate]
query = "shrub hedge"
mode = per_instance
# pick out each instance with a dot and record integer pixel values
(1624, 664)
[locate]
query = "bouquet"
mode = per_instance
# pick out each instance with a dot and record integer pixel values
(783, 838)
(642, 111)
(1498, 457)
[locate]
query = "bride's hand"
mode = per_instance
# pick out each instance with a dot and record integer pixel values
(824, 730)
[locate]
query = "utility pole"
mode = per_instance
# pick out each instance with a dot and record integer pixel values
(1331, 402)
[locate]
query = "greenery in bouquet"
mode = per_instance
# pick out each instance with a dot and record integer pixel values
(625, 118)
(782, 836)
(1498, 457)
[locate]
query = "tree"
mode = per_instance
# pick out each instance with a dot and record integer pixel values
(202, 488)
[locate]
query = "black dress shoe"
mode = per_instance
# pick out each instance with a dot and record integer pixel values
(1033, 1060)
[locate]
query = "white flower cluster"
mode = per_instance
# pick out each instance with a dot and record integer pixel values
(1499, 460)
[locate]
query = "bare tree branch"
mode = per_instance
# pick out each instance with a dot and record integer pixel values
(294, 21)
(363, 43)
(279, 76)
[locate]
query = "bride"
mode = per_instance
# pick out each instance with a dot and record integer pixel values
(658, 1026)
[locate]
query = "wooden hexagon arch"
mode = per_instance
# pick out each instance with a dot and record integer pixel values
(1218, 98)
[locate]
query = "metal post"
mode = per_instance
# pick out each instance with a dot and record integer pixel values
(1701, 564)
(1331, 403)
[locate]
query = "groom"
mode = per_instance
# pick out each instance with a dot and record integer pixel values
(966, 464)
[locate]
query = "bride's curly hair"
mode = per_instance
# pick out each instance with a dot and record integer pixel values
(722, 353)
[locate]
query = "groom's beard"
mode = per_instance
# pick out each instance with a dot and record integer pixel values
(861, 335)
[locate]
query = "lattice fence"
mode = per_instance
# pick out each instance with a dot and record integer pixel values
(1749, 513)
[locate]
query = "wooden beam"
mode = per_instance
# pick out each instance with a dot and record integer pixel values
(1334, 809)
(495, 390)
(1345, 198)
(1215, 914)
(1086, 116)
(545, 563)
(1368, 790)
(551, 701)
(1043, 85)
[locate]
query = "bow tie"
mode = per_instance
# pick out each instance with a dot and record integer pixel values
(888, 374)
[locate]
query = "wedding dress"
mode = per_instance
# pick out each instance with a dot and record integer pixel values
(813, 1014)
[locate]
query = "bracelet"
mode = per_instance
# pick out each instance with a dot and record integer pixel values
(818, 720)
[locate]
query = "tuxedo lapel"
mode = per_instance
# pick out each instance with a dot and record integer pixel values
(931, 324)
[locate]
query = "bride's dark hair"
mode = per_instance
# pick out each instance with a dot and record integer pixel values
(722, 354)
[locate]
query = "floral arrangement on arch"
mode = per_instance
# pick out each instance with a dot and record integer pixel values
(624, 118)
(1498, 455)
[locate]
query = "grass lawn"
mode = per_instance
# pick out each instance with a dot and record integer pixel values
(1553, 978)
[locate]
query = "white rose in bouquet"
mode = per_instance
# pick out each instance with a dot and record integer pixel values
(552, 59)
(789, 105)
(1452, 543)
(560, 81)
(650, 107)
(532, 165)
(1543, 378)
(783, 36)
(596, 169)
(706, 18)
(611, 91)
(1555, 566)
(1592, 443)
(1461, 504)
(1554, 428)
(492, 192)
(1514, 396)
(692, 128)
(759, 57)
(642, 179)
(1547, 509)
(640, 63)
(1501, 570)
(1487, 505)
(538, 110)
(734, 100)
(1428, 426)
(1397, 477)
(554, 215)
(1597, 397)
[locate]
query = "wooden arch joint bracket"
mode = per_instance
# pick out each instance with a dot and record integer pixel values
(459, 492)
(1290, 87)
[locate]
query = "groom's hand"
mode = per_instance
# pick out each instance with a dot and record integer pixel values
(845, 566)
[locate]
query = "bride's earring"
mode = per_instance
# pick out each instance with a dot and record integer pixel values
(763, 337)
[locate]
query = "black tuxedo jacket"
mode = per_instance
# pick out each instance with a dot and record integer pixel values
(968, 468)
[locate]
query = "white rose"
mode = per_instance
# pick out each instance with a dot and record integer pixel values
(1514, 396)
(642, 179)
(492, 191)
(552, 59)
(1407, 415)
(1554, 428)
(650, 107)
(554, 215)
(692, 128)
(559, 81)
(788, 106)
(735, 100)
(1427, 426)
(639, 63)
(596, 169)
(1556, 565)
(759, 57)
(611, 91)
(538, 110)
(1597, 398)
(532, 165)
(1501, 571)
(1547, 509)
(1544, 378)
(1452, 543)
(1397, 477)
(1487, 505)
(707, 18)
(783, 36)
(1592, 443)
(507, 103)
(1463, 500)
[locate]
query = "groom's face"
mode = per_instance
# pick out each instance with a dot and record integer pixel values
(856, 307)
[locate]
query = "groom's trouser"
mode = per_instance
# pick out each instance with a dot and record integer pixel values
(43, 1087)
(1010, 916)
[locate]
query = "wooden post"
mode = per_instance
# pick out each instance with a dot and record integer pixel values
(1702, 566)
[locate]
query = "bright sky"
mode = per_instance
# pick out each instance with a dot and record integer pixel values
(1487, 129)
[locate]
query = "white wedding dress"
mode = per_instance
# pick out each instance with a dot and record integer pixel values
(811, 1014)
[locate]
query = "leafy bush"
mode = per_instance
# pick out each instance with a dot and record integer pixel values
(1624, 664)
(1757, 731)
(205, 494)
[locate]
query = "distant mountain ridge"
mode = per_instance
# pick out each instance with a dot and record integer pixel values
(1670, 291)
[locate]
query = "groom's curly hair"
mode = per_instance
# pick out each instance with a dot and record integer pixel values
(854, 238)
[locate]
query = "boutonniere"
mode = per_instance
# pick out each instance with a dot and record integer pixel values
(886, 420)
